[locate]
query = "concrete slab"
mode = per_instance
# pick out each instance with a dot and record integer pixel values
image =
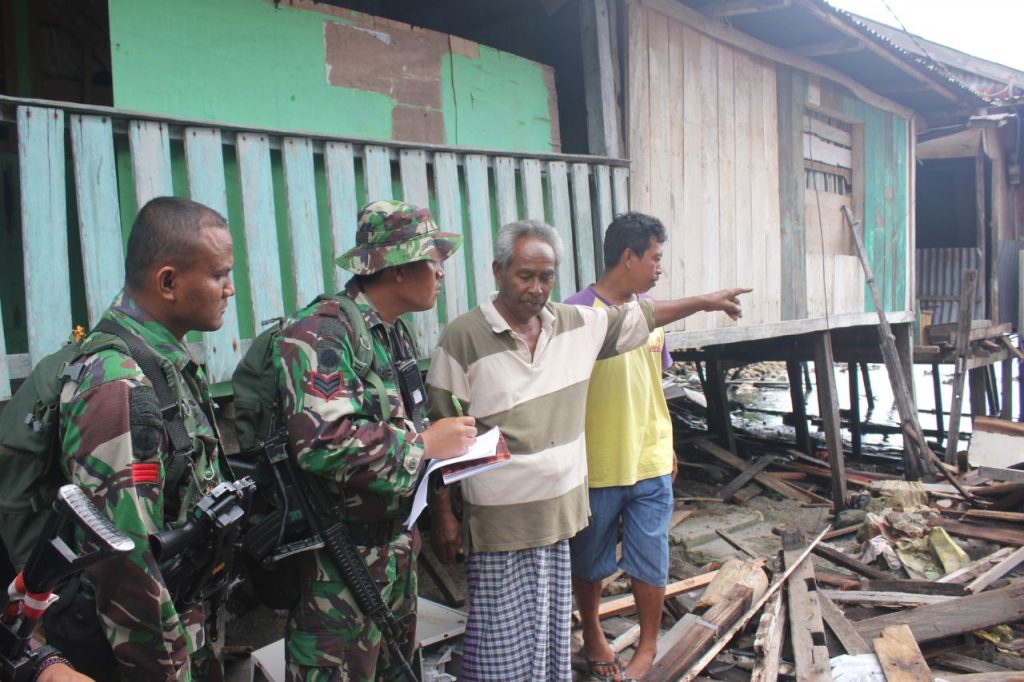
(700, 528)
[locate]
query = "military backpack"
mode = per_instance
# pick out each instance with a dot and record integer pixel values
(30, 447)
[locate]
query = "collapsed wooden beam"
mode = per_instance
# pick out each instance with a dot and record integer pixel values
(806, 629)
(954, 617)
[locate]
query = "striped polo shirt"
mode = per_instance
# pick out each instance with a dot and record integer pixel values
(539, 403)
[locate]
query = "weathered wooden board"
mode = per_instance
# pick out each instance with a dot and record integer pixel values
(966, 614)
(99, 215)
(377, 171)
(533, 190)
(583, 224)
(44, 229)
(505, 190)
(449, 213)
(478, 197)
(900, 657)
(342, 201)
(561, 220)
(413, 166)
(151, 160)
(260, 224)
(303, 225)
(204, 161)
(807, 631)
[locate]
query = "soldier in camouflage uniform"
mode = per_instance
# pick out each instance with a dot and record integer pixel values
(114, 445)
(336, 433)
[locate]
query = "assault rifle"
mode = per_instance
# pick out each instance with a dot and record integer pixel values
(51, 562)
(308, 519)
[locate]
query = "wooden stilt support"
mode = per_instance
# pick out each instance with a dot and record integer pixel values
(799, 400)
(869, 395)
(1006, 409)
(1020, 378)
(990, 390)
(807, 378)
(937, 392)
(969, 282)
(828, 404)
(719, 417)
(915, 445)
(976, 380)
(855, 429)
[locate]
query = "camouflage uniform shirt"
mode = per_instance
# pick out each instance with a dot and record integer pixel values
(335, 432)
(115, 448)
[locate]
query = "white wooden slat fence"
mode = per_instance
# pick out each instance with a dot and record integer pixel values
(303, 188)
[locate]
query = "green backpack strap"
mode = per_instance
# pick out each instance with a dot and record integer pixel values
(363, 361)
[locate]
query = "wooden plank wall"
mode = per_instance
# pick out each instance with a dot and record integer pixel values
(702, 117)
(470, 193)
(719, 139)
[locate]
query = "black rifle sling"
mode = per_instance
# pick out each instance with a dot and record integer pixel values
(181, 441)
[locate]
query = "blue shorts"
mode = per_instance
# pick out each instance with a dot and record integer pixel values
(645, 509)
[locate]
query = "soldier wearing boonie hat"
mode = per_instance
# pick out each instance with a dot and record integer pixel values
(393, 233)
(336, 431)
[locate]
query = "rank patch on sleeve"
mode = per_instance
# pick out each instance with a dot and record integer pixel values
(145, 472)
(324, 385)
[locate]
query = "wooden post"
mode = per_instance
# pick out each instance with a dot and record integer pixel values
(718, 405)
(868, 393)
(799, 400)
(963, 341)
(937, 391)
(915, 445)
(1006, 411)
(977, 379)
(828, 404)
(599, 85)
(904, 334)
(855, 430)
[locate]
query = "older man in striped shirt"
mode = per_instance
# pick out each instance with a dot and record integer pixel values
(523, 364)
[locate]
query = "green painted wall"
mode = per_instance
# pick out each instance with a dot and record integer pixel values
(251, 63)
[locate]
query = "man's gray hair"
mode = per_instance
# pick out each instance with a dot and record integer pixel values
(508, 235)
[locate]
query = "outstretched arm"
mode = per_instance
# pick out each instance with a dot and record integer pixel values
(726, 300)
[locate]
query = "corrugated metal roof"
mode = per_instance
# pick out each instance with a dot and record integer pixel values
(834, 37)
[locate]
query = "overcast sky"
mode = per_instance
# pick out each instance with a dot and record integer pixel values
(990, 29)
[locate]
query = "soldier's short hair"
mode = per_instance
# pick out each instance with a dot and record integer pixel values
(508, 235)
(166, 232)
(631, 231)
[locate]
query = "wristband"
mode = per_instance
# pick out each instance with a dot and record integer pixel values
(55, 659)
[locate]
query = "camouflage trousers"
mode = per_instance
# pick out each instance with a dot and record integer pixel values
(329, 639)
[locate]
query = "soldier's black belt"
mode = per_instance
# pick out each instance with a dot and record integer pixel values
(374, 534)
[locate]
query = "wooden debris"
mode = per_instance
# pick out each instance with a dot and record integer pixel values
(993, 574)
(727, 636)
(849, 562)
(897, 599)
(734, 572)
(734, 486)
(966, 664)
(840, 581)
(954, 617)
(768, 641)
(612, 607)
(691, 635)
(781, 487)
(966, 529)
(626, 639)
(841, 627)
(807, 631)
(900, 656)
(975, 568)
(913, 587)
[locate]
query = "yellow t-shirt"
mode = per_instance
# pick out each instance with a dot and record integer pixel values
(629, 431)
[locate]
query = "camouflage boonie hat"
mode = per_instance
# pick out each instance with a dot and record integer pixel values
(393, 233)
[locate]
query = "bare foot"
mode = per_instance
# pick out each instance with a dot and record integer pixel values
(640, 664)
(602, 663)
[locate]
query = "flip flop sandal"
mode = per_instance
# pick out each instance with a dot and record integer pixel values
(593, 666)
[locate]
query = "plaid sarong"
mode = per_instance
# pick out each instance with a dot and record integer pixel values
(520, 605)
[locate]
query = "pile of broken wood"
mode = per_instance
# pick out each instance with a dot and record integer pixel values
(796, 616)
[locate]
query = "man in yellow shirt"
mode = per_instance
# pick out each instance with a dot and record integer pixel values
(630, 458)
